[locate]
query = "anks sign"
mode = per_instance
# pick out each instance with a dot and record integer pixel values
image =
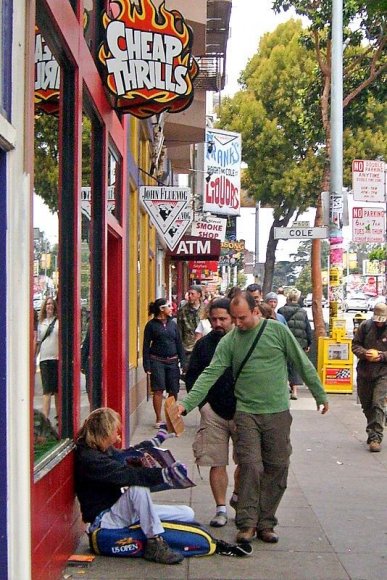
(146, 58)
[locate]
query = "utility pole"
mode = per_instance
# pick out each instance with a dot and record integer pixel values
(256, 261)
(336, 180)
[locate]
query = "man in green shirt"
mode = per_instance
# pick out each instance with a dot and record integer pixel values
(262, 415)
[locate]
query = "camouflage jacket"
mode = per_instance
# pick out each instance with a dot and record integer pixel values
(187, 320)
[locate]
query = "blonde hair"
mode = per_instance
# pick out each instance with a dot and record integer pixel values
(294, 295)
(98, 426)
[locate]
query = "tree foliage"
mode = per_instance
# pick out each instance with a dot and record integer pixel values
(46, 145)
(378, 254)
(364, 66)
(284, 168)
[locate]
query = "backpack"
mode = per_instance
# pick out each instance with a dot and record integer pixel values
(189, 539)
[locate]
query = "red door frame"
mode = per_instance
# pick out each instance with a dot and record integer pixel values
(68, 29)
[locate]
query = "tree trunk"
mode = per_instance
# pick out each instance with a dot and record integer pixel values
(270, 251)
(270, 261)
(318, 319)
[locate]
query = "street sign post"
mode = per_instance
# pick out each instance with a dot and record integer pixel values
(300, 233)
(368, 180)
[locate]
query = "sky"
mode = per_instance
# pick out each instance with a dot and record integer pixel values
(249, 22)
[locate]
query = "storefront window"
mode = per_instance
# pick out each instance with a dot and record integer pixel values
(5, 58)
(86, 211)
(114, 185)
(46, 244)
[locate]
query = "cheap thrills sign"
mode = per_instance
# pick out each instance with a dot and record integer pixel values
(47, 77)
(146, 58)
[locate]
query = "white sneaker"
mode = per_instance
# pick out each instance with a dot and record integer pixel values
(219, 520)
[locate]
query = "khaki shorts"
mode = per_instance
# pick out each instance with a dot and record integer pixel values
(211, 444)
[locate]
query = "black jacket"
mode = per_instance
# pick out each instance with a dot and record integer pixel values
(100, 475)
(221, 395)
(162, 340)
(298, 323)
(367, 336)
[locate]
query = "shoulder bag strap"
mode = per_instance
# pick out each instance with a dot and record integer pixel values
(49, 330)
(251, 349)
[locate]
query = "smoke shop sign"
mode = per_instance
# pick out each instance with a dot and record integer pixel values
(146, 58)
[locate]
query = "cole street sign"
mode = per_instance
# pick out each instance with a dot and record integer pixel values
(300, 233)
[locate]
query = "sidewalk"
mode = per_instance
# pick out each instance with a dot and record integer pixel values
(332, 519)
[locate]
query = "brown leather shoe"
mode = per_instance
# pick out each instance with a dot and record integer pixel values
(245, 535)
(374, 446)
(268, 535)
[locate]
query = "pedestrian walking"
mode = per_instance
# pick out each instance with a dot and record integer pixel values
(188, 318)
(369, 344)
(162, 352)
(262, 415)
(211, 444)
(297, 320)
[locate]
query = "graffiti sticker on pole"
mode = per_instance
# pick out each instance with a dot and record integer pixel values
(169, 209)
(368, 225)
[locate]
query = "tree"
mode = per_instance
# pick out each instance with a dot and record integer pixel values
(283, 168)
(364, 37)
(47, 159)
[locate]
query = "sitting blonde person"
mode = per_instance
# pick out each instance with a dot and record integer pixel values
(100, 474)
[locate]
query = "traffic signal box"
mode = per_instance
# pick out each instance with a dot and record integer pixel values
(335, 360)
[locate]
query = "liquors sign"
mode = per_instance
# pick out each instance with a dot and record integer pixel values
(146, 58)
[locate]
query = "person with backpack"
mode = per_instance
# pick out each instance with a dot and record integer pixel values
(297, 320)
(369, 344)
(100, 475)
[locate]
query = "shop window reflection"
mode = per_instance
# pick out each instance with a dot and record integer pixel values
(47, 386)
(86, 216)
(114, 185)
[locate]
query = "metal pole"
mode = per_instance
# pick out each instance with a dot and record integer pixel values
(256, 262)
(385, 233)
(336, 180)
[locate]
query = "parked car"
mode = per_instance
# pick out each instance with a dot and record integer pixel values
(373, 300)
(308, 301)
(357, 301)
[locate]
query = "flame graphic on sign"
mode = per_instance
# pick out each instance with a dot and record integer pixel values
(144, 102)
(46, 98)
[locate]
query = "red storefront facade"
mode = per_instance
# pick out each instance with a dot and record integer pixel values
(85, 163)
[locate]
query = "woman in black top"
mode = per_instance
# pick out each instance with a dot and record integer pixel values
(162, 351)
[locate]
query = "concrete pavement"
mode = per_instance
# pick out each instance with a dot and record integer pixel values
(332, 519)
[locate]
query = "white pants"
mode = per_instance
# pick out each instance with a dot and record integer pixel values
(136, 505)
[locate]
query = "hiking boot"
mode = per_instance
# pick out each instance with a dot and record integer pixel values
(157, 550)
(374, 446)
(245, 535)
(268, 535)
(219, 520)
